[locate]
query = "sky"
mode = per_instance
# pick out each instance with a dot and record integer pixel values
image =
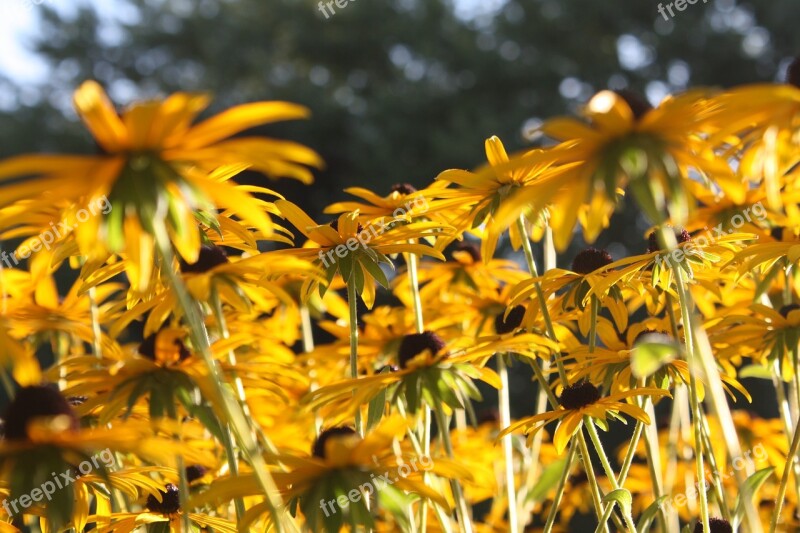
(18, 21)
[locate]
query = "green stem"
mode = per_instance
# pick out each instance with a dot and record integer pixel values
(424, 429)
(308, 347)
(595, 310)
(792, 456)
(715, 390)
(225, 402)
(551, 516)
(594, 486)
(352, 302)
(504, 404)
(462, 509)
(551, 333)
(598, 446)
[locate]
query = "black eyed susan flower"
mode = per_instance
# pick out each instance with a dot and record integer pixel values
(477, 197)
(579, 400)
(428, 373)
(623, 143)
(355, 251)
(575, 288)
(154, 166)
(344, 464)
(43, 439)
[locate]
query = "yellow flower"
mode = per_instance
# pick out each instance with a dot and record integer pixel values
(156, 166)
(355, 252)
(479, 196)
(623, 143)
(577, 401)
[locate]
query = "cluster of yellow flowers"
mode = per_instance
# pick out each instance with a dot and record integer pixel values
(227, 388)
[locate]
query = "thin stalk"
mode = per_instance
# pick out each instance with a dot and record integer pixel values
(229, 406)
(353, 305)
(562, 483)
(594, 486)
(508, 451)
(424, 429)
(598, 446)
(462, 509)
(776, 514)
(308, 347)
(526, 246)
(532, 472)
(626, 465)
(715, 390)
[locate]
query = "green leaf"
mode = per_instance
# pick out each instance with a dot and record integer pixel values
(755, 371)
(650, 513)
(751, 486)
(548, 480)
(375, 271)
(377, 405)
(654, 351)
(621, 497)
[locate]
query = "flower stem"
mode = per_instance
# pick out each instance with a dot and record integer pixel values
(226, 403)
(715, 391)
(526, 246)
(504, 405)
(791, 457)
(462, 509)
(562, 483)
(353, 305)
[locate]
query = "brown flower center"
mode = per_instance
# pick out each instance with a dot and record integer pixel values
(511, 322)
(717, 525)
(636, 102)
(170, 501)
(335, 432)
(416, 343)
(210, 256)
(403, 188)
(590, 259)
(36, 402)
(578, 395)
(652, 240)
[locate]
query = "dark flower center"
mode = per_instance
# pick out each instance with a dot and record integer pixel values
(786, 309)
(335, 225)
(403, 188)
(591, 259)
(210, 256)
(793, 73)
(777, 233)
(488, 416)
(148, 348)
(473, 251)
(578, 395)
(717, 525)
(416, 343)
(652, 240)
(339, 431)
(638, 103)
(35, 402)
(170, 501)
(511, 322)
(195, 472)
